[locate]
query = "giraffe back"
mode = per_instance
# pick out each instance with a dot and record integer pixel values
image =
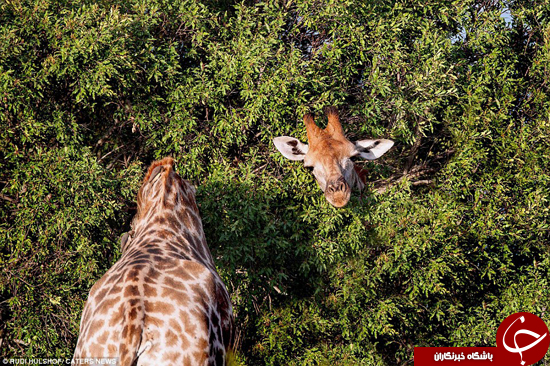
(162, 302)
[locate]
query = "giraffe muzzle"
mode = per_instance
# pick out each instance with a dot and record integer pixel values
(338, 192)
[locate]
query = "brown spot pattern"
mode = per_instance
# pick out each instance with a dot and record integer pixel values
(163, 300)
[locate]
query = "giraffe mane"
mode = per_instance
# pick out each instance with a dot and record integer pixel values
(166, 161)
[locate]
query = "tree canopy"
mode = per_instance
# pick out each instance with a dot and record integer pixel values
(450, 236)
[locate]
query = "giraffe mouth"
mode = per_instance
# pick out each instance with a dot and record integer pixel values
(338, 192)
(339, 200)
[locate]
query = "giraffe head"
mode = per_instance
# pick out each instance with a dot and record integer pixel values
(163, 189)
(329, 153)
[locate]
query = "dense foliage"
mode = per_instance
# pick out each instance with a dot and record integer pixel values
(451, 235)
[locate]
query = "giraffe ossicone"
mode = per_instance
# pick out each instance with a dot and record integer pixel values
(162, 302)
(329, 153)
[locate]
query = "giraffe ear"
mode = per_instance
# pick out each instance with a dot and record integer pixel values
(291, 148)
(372, 149)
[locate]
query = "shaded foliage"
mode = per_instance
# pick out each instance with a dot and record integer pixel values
(450, 236)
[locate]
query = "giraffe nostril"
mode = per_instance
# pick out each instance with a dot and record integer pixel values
(338, 185)
(341, 186)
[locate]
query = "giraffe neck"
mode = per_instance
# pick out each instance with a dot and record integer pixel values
(176, 229)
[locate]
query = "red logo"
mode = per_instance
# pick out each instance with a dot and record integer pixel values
(525, 338)
(522, 339)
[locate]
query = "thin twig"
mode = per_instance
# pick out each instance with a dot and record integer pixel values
(7, 198)
(110, 152)
(259, 168)
(422, 182)
(400, 177)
